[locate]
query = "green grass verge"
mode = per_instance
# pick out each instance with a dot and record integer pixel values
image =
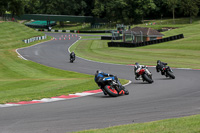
(22, 80)
(178, 53)
(188, 124)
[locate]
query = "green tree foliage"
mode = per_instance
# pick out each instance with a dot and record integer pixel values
(32, 6)
(113, 10)
(190, 7)
(144, 7)
(127, 11)
(172, 5)
(3, 6)
(16, 7)
(120, 11)
(57, 7)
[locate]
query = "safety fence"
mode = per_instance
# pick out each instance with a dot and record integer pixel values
(140, 44)
(34, 39)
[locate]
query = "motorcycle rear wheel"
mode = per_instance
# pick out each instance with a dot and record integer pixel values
(110, 91)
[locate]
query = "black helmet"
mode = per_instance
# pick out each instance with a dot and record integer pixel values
(158, 61)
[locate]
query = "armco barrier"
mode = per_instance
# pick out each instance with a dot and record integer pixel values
(34, 39)
(140, 44)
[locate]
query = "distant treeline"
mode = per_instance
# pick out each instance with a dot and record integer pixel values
(121, 11)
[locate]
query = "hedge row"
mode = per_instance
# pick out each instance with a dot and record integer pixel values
(110, 38)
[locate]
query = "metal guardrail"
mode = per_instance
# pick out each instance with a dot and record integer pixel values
(34, 39)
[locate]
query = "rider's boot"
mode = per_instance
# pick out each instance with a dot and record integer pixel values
(137, 77)
(125, 90)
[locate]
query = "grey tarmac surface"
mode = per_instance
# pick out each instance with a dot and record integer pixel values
(163, 99)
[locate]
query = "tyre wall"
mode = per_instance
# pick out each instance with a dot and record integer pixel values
(140, 44)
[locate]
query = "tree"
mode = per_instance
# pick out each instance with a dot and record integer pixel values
(32, 6)
(190, 7)
(16, 7)
(144, 7)
(112, 10)
(160, 10)
(89, 7)
(3, 7)
(136, 10)
(172, 5)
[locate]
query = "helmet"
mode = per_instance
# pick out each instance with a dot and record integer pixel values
(98, 71)
(137, 64)
(158, 61)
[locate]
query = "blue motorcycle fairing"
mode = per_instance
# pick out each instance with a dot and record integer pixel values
(109, 78)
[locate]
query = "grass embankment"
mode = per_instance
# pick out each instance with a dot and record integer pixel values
(183, 53)
(176, 125)
(159, 24)
(22, 80)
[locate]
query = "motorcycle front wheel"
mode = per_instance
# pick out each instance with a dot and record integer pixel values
(147, 78)
(170, 74)
(71, 60)
(111, 91)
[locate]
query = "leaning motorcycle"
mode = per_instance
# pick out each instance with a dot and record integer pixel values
(145, 74)
(167, 71)
(112, 87)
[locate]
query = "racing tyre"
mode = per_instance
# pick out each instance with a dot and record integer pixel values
(170, 74)
(147, 78)
(111, 91)
(71, 60)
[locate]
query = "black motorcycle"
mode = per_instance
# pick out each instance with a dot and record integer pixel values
(72, 57)
(164, 69)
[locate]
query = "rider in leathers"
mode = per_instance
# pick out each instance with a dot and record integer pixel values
(137, 69)
(159, 67)
(99, 75)
(72, 55)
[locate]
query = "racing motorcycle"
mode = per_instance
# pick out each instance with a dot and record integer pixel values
(112, 87)
(165, 70)
(145, 74)
(72, 58)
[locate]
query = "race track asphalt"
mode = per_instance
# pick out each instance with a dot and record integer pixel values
(165, 98)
